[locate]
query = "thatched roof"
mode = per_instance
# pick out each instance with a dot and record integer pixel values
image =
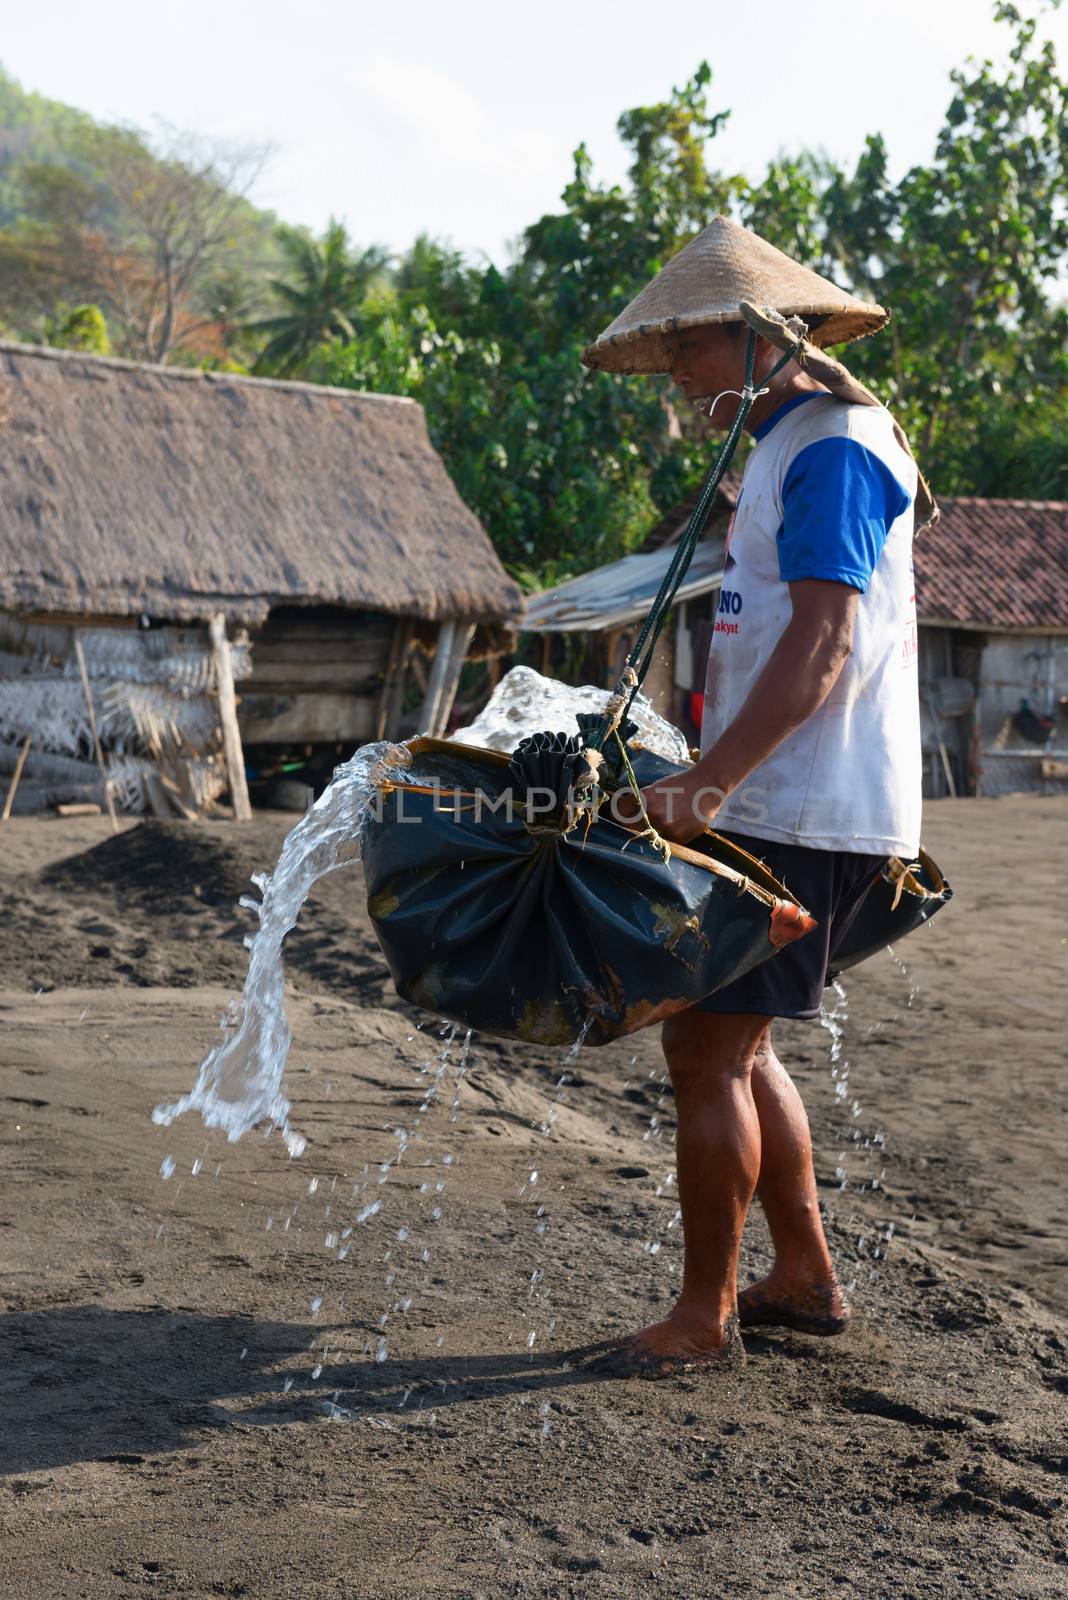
(127, 488)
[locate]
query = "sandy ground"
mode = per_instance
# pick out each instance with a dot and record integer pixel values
(192, 1400)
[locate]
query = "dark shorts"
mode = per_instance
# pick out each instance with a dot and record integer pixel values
(831, 884)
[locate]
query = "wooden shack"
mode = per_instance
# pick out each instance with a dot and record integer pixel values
(992, 601)
(318, 524)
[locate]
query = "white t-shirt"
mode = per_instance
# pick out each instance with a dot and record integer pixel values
(827, 493)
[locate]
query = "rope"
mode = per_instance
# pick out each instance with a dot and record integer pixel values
(897, 871)
(620, 700)
(659, 844)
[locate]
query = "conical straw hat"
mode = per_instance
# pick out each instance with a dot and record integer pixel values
(707, 281)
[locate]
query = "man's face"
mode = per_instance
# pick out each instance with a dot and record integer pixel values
(707, 360)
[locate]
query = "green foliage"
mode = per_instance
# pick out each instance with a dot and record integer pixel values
(35, 129)
(78, 328)
(566, 468)
(532, 443)
(321, 297)
(966, 252)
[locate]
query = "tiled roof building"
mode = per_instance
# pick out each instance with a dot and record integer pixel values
(999, 565)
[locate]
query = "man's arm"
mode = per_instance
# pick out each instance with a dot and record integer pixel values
(799, 675)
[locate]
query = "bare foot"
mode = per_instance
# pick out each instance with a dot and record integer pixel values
(816, 1308)
(683, 1342)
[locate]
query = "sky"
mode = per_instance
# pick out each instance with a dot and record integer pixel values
(459, 120)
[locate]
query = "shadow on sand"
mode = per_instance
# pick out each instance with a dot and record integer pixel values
(83, 1383)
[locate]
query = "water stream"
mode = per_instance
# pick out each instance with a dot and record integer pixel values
(239, 1084)
(861, 1162)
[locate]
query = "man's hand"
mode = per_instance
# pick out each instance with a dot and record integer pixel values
(680, 808)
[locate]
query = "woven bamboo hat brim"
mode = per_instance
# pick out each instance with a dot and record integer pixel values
(707, 282)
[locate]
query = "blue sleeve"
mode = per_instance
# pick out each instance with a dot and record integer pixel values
(839, 501)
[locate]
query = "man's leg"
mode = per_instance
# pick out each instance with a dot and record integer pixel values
(801, 1290)
(710, 1058)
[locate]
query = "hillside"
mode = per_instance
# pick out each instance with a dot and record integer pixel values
(99, 213)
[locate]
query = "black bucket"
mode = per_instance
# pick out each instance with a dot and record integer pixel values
(903, 897)
(549, 928)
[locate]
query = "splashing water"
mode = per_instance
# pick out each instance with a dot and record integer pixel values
(240, 1081)
(872, 1245)
(907, 973)
(406, 1240)
(525, 702)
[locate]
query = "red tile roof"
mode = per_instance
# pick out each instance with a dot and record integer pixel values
(999, 564)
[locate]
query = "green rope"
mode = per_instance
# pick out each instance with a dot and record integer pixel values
(640, 656)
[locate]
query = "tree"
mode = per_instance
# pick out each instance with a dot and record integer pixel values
(434, 274)
(566, 468)
(982, 234)
(137, 226)
(966, 251)
(184, 205)
(323, 293)
(78, 328)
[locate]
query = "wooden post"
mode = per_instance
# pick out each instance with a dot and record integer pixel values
(546, 653)
(428, 712)
(157, 802)
(389, 707)
(395, 708)
(15, 776)
(457, 656)
(97, 747)
(612, 666)
(235, 756)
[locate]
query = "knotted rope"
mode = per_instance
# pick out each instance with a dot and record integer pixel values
(897, 871)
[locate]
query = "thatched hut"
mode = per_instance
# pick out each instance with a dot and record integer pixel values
(320, 521)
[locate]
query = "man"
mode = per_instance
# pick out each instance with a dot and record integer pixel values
(810, 755)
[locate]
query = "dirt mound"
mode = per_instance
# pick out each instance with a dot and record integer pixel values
(157, 905)
(163, 867)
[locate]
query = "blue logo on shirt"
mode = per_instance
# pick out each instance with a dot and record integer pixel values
(730, 602)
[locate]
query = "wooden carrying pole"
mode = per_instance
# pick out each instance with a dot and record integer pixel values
(224, 682)
(15, 776)
(109, 798)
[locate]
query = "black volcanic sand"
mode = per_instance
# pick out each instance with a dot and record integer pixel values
(192, 1401)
